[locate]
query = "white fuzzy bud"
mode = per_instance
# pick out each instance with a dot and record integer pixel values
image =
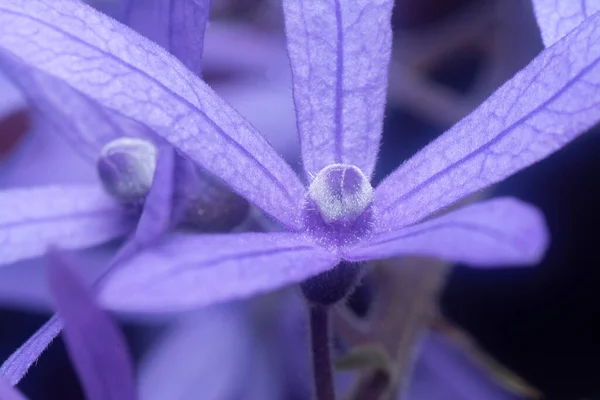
(341, 192)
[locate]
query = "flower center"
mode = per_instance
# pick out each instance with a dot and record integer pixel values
(341, 193)
(126, 168)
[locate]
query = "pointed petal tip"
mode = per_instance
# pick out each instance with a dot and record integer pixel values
(535, 232)
(546, 105)
(94, 342)
(499, 232)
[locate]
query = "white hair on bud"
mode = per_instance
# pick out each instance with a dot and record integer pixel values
(126, 167)
(341, 192)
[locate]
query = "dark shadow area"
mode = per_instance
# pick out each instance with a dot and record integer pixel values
(543, 321)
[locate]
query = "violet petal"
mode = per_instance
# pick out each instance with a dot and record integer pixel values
(156, 215)
(94, 342)
(556, 18)
(11, 100)
(224, 333)
(502, 231)
(339, 52)
(72, 217)
(550, 102)
(17, 365)
(178, 26)
(189, 271)
(128, 74)
(7, 392)
(85, 125)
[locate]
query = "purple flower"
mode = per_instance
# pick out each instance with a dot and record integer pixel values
(94, 342)
(141, 171)
(339, 55)
(156, 218)
(83, 215)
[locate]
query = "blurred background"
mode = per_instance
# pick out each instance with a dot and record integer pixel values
(491, 334)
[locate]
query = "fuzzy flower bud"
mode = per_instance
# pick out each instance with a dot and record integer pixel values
(341, 193)
(126, 168)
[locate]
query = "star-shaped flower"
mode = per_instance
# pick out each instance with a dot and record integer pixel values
(339, 53)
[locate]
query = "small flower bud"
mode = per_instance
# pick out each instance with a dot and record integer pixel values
(126, 168)
(341, 193)
(214, 207)
(207, 204)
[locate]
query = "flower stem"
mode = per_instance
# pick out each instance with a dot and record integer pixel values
(321, 357)
(373, 387)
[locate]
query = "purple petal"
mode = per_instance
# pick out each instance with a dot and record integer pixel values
(243, 50)
(94, 342)
(189, 271)
(177, 26)
(55, 161)
(501, 231)
(223, 333)
(556, 18)
(339, 51)
(72, 217)
(7, 392)
(17, 365)
(96, 260)
(23, 284)
(260, 86)
(156, 214)
(443, 372)
(546, 105)
(132, 76)
(11, 100)
(85, 125)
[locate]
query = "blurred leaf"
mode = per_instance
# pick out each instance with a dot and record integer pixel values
(405, 300)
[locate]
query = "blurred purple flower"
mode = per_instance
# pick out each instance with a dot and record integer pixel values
(156, 218)
(94, 342)
(164, 185)
(208, 351)
(339, 89)
(125, 152)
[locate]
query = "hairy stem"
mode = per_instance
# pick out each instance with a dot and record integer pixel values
(321, 357)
